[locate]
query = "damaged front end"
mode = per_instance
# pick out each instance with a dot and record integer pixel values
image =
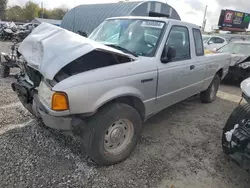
(26, 86)
(49, 49)
(239, 68)
(47, 61)
(237, 144)
(236, 132)
(36, 96)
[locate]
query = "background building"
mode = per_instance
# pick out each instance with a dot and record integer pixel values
(88, 17)
(50, 21)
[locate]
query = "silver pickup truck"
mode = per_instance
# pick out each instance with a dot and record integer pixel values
(105, 86)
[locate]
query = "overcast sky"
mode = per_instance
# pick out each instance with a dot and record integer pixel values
(189, 10)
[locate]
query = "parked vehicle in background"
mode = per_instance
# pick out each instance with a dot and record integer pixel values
(20, 35)
(212, 42)
(16, 33)
(240, 59)
(8, 61)
(103, 87)
(29, 26)
(236, 133)
(7, 32)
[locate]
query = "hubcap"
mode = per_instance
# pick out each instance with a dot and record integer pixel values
(118, 136)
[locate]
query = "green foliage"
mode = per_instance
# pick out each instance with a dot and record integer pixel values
(44, 13)
(14, 13)
(31, 10)
(3, 5)
(58, 13)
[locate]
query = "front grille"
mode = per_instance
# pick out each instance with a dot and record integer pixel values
(33, 75)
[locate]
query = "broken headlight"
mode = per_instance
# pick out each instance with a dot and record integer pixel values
(45, 93)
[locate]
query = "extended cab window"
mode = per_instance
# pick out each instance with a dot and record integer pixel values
(198, 42)
(179, 39)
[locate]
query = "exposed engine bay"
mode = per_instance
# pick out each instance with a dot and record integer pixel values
(92, 60)
(238, 144)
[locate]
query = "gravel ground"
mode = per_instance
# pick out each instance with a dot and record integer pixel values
(179, 148)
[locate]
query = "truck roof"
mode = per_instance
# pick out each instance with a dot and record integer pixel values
(164, 19)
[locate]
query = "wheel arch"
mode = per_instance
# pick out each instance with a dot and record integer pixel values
(131, 100)
(220, 73)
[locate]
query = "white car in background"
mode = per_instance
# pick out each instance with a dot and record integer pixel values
(212, 42)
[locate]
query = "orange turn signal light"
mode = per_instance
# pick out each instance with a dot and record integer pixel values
(59, 101)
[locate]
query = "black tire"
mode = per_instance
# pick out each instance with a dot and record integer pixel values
(209, 95)
(4, 71)
(97, 129)
(240, 112)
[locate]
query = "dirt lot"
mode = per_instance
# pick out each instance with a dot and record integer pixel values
(180, 147)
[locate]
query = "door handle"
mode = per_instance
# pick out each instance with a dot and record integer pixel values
(192, 67)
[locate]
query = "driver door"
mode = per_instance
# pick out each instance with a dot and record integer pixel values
(176, 76)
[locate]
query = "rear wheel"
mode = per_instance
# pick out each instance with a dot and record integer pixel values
(4, 71)
(239, 113)
(209, 95)
(112, 133)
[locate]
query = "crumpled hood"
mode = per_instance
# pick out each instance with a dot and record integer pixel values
(238, 58)
(49, 48)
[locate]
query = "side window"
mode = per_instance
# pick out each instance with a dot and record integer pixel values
(219, 40)
(179, 39)
(212, 40)
(198, 42)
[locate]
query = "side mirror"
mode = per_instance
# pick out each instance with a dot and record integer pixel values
(168, 54)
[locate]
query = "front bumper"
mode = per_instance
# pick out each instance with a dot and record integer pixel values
(67, 122)
(54, 122)
(52, 119)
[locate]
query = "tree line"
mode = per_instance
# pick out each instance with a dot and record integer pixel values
(29, 11)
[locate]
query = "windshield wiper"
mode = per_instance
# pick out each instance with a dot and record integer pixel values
(122, 49)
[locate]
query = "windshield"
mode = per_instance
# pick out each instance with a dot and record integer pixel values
(205, 39)
(236, 48)
(140, 37)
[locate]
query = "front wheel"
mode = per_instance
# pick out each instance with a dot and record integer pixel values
(209, 95)
(112, 133)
